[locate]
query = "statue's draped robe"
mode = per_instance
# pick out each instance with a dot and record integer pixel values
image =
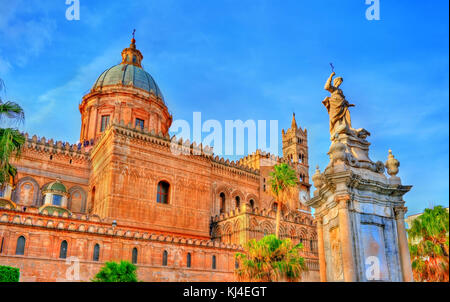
(337, 107)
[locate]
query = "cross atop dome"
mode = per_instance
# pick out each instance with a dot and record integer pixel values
(131, 55)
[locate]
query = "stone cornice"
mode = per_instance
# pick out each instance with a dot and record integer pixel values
(129, 90)
(354, 181)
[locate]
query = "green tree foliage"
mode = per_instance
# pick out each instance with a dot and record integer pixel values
(270, 259)
(112, 271)
(11, 140)
(283, 187)
(9, 274)
(428, 245)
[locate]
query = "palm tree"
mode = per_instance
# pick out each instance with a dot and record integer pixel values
(270, 259)
(283, 187)
(428, 245)
(11, 140)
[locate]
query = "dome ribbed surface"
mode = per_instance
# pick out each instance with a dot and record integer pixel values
(127, 74)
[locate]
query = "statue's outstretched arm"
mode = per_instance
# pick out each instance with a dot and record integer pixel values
(328, 85)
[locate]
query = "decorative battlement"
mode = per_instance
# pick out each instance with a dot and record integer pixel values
(232, 166)
(294, 131)
(58, 147)
(261, 155)
(177, 146)
(289, 217)
(93, 225)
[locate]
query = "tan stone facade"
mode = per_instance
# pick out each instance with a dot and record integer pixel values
(123, 194)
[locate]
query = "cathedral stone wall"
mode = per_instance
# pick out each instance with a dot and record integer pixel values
(43, 236)
(128, 191)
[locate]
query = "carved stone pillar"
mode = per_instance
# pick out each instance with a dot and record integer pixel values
(346, 239)
(405, 258)
(322, 262)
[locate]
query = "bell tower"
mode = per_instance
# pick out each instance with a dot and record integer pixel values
(295, 145)
(295, 149)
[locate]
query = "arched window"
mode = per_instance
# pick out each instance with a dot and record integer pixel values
(222, 202)
(164, 262)
(20, 247)
(134, 256)
(63, 250)
(188, 260)
(214, 264)
(163, 192)
(96, 255)
(238, 202)
(252, 203)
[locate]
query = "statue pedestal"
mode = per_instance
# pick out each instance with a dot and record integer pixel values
(359, 216)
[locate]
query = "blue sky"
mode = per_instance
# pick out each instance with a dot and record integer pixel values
(250, 59)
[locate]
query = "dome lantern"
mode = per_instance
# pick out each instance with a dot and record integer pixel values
(131, 55)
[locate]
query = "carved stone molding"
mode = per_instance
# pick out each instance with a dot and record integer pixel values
(400, 212)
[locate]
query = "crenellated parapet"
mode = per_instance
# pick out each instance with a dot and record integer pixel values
(234, 167)
(93, 225)
(172, 144)
(289, 216)
(56, 147)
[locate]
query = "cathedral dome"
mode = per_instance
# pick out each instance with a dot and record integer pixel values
(124, 94)
(128, 74)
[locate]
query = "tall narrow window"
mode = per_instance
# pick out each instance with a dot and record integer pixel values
(63, 250)
(163, 192)
(134, 256)
(238, 202)
(222, 202)
(164, 262)
(92, 196)
(105, 122)
(139, 123)
(252, 203)
(188, 260)
(214, 264)
(20, 247)
(1, 246)
(96, 255)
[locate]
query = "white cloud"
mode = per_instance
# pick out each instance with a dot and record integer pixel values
(27, 30)
(64, 97)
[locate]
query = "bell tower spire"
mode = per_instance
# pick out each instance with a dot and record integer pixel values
(294, 122)
(131, 55)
